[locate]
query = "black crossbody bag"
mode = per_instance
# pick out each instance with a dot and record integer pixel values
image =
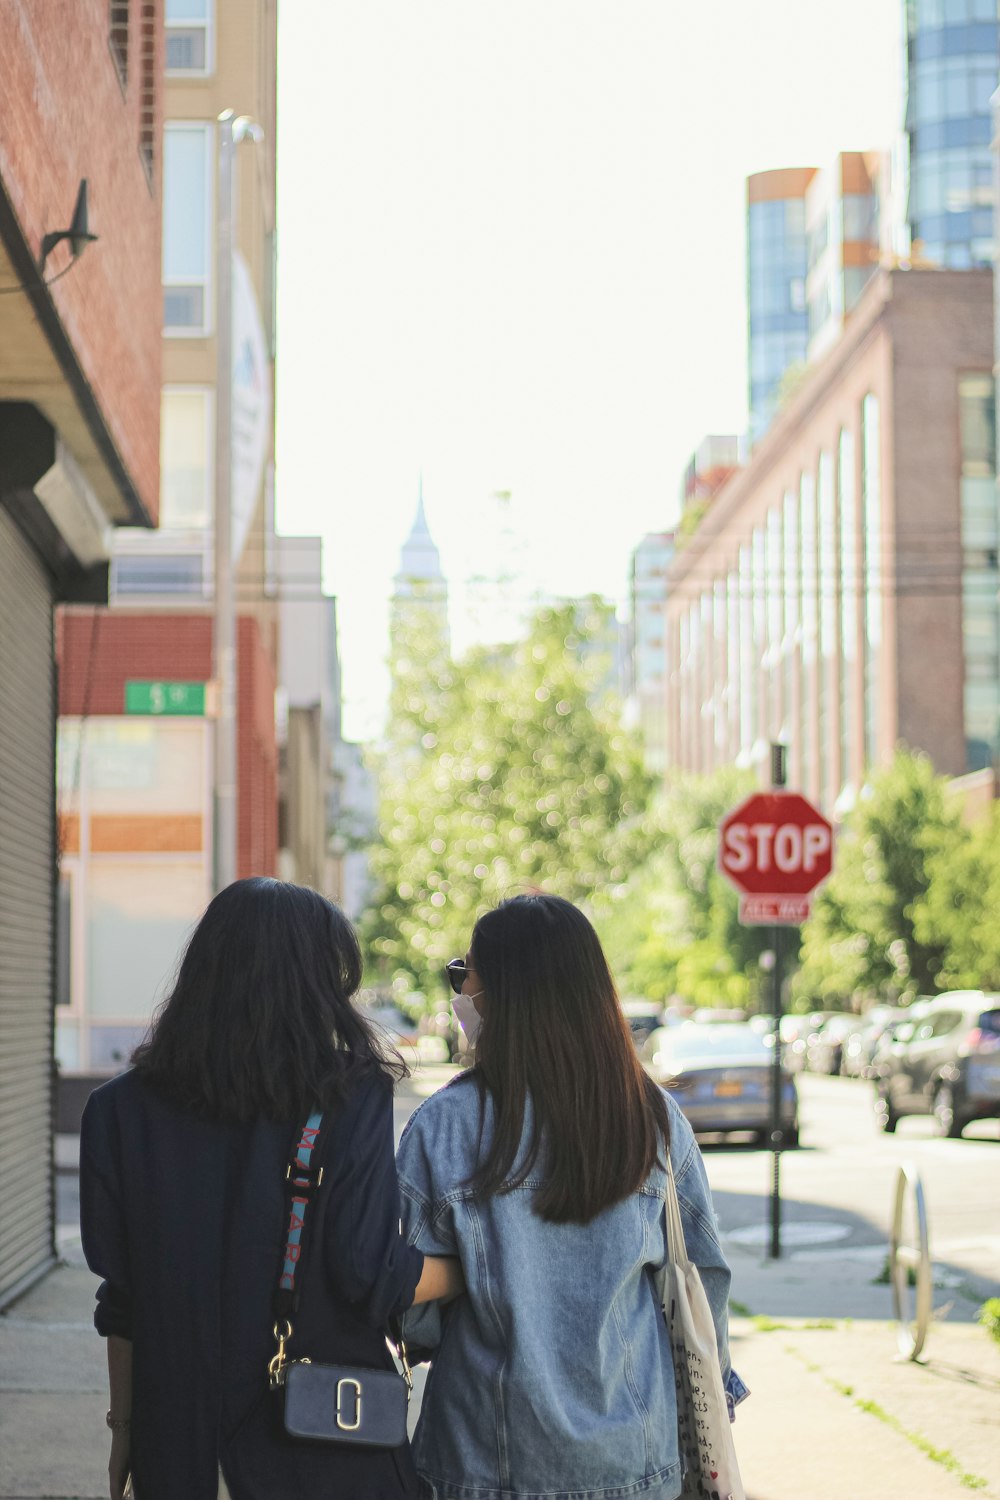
(327, 1403)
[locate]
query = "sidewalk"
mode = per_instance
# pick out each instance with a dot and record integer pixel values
(832, 1415)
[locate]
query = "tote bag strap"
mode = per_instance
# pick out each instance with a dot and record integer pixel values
(676, 1246)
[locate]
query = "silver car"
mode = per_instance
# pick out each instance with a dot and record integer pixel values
(721, 1078)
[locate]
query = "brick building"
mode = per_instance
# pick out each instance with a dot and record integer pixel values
(841, 592)
(79, 454)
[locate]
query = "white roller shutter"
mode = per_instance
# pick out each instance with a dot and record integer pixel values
(26, 901)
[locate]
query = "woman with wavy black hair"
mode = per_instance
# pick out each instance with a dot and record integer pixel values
(543, 1170)
(184, 1208)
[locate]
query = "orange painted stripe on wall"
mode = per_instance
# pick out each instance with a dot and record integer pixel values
(135, 834)
(69, 833)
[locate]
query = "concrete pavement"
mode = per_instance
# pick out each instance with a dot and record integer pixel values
(833, 1415)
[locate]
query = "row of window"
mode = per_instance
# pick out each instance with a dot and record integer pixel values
(954, 227)
(949, 88)
(926, 13)
(953, 41)
(958, 256)
(806, 590)
(950, 181)
(949, 135)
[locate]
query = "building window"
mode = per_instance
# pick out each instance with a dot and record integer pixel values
(147, 90)
(827, 586)
(118, 37)
(810, 590)
(158, 573)
(980, 532)
(720, 654)
(748, 658)
(733, 665)
(189, 37)
(777, 703)
(187, 220)
(871, 532)
(186, 458)
(758, 564)
(848, 601)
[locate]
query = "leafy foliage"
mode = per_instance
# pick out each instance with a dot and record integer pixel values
(505, 772)
(957, 914)
(870, 933)
(673, 928)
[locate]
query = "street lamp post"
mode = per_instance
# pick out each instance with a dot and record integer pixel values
(232, 130)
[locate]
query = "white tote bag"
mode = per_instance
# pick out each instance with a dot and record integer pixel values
(708, 1454)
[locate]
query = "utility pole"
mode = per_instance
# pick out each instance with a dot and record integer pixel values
(232, 130)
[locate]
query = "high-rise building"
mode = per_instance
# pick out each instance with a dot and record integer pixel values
(777, 265)
(845, 225)
(952, 67)
(80, 151)
(814, 240)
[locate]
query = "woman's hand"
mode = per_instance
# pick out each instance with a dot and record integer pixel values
(119, 1464)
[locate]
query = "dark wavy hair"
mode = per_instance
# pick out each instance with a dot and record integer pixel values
(260, 1022)
(553, 1028)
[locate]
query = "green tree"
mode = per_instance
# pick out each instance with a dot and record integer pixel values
(958, 911)
(508, 771)
(674, 927)
(863, 937)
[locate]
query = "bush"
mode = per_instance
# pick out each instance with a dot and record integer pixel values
(989, 1317)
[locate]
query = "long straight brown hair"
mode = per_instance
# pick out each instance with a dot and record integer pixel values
(553, 1029)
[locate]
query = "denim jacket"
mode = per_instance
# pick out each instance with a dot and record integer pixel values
(552, 1376)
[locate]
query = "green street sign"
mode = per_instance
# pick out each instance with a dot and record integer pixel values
(177, 698)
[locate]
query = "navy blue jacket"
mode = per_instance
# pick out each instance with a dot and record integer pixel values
(186, 1221)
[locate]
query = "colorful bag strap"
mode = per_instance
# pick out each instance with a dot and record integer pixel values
(303, 1178)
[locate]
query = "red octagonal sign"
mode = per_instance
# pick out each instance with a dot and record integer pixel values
(775, 844)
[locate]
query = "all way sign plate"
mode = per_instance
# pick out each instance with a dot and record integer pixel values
(773, 911)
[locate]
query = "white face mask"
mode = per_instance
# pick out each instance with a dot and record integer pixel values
(468, 1016)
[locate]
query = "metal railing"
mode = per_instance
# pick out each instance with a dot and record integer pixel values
(904, 1258)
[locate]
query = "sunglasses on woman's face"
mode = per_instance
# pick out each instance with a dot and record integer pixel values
(458, 971)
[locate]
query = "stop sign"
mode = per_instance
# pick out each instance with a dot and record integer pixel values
(775, 844)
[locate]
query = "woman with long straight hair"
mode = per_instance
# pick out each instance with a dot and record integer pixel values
(185, 1163)
(543, 1169)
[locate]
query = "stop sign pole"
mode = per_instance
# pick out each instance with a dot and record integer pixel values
(775, 849)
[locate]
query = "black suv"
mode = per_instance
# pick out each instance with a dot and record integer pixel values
(942, 1060)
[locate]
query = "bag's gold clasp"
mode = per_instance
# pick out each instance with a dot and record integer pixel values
(276, 1368)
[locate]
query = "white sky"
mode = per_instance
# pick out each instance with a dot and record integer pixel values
(512, 255)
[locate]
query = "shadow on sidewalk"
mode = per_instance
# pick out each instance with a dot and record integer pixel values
(833, 1263)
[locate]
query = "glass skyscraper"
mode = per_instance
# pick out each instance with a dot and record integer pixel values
(952, 68)
(777, 264)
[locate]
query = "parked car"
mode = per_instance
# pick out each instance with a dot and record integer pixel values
(796, 1031)
(720, 1076)
(825, 1047)
(860, 1046)
(643, 1017)
(942, 1060)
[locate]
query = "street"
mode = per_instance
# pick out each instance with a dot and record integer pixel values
(837, 1188)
